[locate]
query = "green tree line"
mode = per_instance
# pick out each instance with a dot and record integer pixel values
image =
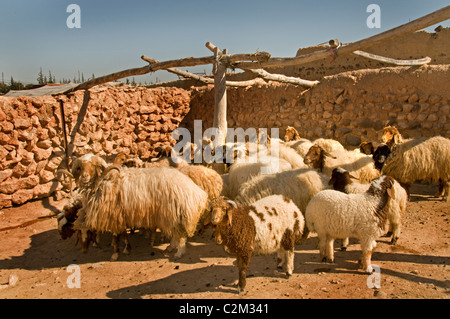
(41, 80)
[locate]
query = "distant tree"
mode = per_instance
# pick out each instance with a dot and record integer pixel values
(4, 88)
(50, 77)
(16, 85)
(40, 78)
(82, 77)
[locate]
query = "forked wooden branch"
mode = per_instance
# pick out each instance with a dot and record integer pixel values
(200, 78)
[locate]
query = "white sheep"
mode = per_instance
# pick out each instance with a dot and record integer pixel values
(146, 198)
(302, 145)
(359, 165)
(272, 224)
(241, 172)
(300, 185)
(336, 215)
(411, 160)
(395, 208)
(85, 170)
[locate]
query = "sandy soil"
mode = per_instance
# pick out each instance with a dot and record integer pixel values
(34, 263)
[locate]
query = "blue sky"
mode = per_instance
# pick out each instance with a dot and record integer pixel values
(114, 34)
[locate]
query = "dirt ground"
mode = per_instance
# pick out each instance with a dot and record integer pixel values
(34, 263)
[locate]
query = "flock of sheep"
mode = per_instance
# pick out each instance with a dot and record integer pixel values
(317, 187)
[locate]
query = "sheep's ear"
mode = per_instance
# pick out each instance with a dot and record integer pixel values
(99, 170)
(351, 176)
(328, 154)
(229, 217)
(391, 192)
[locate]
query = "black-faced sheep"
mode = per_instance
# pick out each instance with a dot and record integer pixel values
(395, 208)
(380, 156)
(272, 224)
(359, 165)
(336, 215)
(145, 198)
(411, 160)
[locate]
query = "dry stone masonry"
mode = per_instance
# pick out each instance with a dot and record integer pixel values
(134, 121)
(351, 107)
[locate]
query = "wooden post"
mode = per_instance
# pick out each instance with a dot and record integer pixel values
(220, 89)
(63, 126)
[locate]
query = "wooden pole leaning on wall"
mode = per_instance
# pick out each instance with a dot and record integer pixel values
(63, 126)
(220, 90)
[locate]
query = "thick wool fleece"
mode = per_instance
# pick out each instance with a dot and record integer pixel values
(144, 198)
(425, 159)
(300, 185)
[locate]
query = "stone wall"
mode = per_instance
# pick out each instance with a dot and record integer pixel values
(135, 121)
(350, 107)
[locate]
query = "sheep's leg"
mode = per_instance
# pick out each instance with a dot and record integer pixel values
(345, 243)
(96, 242)
(127, 248)
(367, 249)
(281, 258)
(444, 188)
(289, 262)
(330, 249)
(178, 243)
(326, 248)
(322, 247)
(394, 229)
(242, 263)
(151, 233)
(115, 244)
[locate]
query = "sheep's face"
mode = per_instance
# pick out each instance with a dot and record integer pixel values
(391, 136)
(120, 159)
(221, 210)
(380, 156)
(316, 157)
(85, 172)
(340, 178)
(291, 134)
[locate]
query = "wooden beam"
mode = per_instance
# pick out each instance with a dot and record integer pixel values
(282, 78)
(392, 61)
(415, 25)
(257, 56)
(263, 59)
(200, 78)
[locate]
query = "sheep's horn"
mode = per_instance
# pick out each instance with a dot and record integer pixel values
(232, 203)
(64, 171)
